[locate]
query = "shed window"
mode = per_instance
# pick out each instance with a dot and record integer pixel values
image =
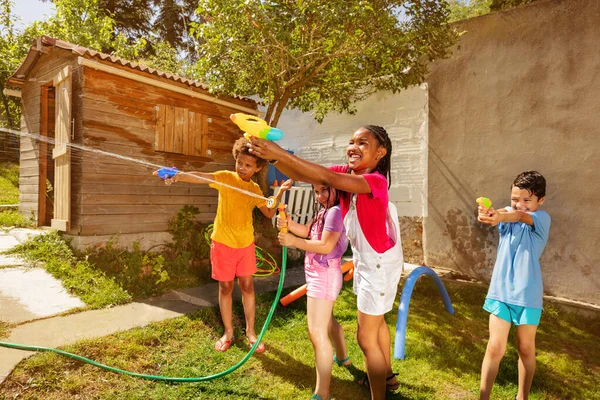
(181, 131)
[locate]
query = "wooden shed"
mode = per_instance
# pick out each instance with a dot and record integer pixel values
(79, 97)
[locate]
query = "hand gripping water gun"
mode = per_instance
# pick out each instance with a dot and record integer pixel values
(166, 173)
(485, 203)
(254, 126)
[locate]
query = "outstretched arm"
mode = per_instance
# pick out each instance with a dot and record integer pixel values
(494, 217)
(306, 171)
(194, 177)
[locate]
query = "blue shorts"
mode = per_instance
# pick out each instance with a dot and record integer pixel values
(516, 315)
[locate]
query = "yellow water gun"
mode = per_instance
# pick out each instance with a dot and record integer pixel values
(484, 202)
(254, 126)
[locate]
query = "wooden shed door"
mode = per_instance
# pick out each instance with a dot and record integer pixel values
(60, 153)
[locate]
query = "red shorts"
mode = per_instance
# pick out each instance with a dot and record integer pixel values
(228, 262)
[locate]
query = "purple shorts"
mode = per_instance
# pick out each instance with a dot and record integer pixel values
(323, 282)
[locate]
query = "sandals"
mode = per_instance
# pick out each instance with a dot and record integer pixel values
(388, 385)
(260, 348)
(392, 387)
(223, 345)
(315, 397)
(341, 363)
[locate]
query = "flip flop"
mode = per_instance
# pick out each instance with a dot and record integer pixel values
(260, 348)
(223, 345)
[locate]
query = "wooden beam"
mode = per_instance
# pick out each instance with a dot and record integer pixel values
(12, 92)
(163, 85)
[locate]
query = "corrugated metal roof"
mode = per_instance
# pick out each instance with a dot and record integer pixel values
(18, 77)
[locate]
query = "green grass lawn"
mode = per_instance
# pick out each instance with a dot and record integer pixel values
(9, 183)
(443, 356)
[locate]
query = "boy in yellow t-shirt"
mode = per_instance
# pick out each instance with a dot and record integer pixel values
(232, 249)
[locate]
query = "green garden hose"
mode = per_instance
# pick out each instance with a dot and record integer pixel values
(167, 378)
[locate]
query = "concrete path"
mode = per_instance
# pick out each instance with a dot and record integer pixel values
(26, 292)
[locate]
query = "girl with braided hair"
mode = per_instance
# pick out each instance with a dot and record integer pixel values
(371, 223)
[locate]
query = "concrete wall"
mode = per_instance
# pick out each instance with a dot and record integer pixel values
(521, 92)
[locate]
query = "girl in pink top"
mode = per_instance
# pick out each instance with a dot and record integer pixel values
(322, 267)
(371, 224)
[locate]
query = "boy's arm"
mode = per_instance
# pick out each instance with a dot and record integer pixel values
(494, 217)
(323, 246)
(194, 177)
(270, 212)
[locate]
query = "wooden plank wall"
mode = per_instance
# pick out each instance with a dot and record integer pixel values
(120, 116)
(45, 69)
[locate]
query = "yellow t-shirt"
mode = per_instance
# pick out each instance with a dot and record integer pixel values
(233, 224)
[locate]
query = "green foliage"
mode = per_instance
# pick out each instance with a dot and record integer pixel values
(498, 5)
(78, 275)
(10, 172)
(316, 55)
(14, 219)
(463, 9)
(189, 241)
(140, 273)
(9, 192)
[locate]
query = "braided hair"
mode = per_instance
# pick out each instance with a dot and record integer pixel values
(384, 167)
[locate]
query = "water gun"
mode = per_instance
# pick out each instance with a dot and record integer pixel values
(254, 126)
(166, 173)
(485, 203)
(281, 209)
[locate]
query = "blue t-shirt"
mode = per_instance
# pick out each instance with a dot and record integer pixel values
(517, 276)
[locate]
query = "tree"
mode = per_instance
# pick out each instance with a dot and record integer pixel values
(463, 9)
(156, 21)
(498, 5)
(12, 51)
(318, 55)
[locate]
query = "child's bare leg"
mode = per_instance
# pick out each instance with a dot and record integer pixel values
(526, 350)
(318, 312)
(336, 334)
(248, 300)
(225, 306)
(494, 352)
(385, 342)
(369, 327)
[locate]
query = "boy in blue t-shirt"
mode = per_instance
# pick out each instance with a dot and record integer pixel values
(516, 289)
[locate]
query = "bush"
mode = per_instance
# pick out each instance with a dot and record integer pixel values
(12, 218)
(10, 172)
(191, 245)
(140, 273)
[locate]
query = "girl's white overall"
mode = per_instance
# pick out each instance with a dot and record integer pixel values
(376, 276)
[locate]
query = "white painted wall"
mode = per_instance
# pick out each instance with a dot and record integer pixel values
(404, 115)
